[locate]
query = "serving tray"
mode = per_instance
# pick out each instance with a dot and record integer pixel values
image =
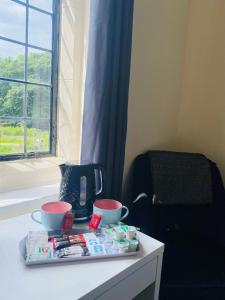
(22, 249)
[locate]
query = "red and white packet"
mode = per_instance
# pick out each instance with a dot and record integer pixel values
(95, 221)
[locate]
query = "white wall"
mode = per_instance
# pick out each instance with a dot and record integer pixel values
(177, 87)
(159, 31)
(201, 124)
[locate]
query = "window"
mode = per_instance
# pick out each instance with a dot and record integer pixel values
(28, 77)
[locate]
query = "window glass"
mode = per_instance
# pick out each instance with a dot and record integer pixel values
(12, 59)
(43, 4)
(39, 100)
(12, 20)
(26, 87)
(40, 29)
(11, 137)
(11, 99)
(38, 137)
(39, 66)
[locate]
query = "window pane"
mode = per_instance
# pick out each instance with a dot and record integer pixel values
(38, 134)
(11, 99)
(39, 99)
(12, 59)
(43, 4)
(39, 66)
(12, 20)
(25, 109)
(40, 29)
(11, 137)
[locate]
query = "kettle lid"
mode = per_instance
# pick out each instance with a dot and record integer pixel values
(78, 163)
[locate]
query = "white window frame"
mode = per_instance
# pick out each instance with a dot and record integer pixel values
(51, 86)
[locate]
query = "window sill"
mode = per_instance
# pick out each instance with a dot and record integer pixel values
(24, 201)
(28, 173)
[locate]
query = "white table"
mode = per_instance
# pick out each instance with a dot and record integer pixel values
(105, 279)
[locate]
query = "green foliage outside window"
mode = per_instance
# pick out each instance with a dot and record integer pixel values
(12, 103)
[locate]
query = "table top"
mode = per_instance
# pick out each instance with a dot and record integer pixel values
(69, 281)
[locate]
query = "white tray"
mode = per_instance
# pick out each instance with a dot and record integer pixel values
(22, 248)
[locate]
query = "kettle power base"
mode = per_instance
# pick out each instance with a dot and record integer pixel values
(78, 220)
(97, 246)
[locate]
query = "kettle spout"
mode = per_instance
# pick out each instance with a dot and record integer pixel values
(62, 168)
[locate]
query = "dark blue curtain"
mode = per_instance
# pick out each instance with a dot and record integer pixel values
(106, 89)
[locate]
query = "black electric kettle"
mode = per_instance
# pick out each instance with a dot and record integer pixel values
(80, 186)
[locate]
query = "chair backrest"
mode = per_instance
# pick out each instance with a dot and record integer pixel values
(160, 220)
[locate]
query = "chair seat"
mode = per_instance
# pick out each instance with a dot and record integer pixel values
(195, 269)
(194, 259)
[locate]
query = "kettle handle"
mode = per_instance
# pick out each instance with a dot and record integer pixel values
(101, 170)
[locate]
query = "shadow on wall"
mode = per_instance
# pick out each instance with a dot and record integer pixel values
(127, 192)
(127, 187)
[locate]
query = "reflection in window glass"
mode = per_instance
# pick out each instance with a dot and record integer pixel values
(39, 66)
(15, 29)
(40, 29)
(11, 137)
(12, 59)
(43, 4)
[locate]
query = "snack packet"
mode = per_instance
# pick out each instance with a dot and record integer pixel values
(72, 251)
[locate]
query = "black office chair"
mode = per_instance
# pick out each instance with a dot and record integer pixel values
(180, 200)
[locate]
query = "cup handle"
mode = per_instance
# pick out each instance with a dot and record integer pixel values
(126, 213)
(33, 217)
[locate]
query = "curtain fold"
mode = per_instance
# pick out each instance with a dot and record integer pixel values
(106, 89)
